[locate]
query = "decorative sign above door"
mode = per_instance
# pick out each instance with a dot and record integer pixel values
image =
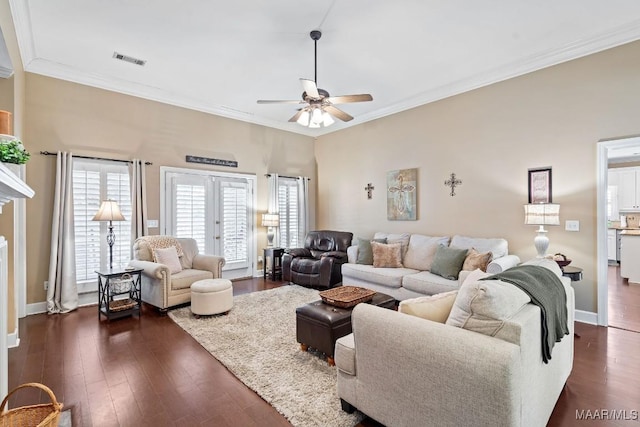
(210, 161)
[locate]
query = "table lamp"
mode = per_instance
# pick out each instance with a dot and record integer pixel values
(109, 211)
(270, 220)
(542, 214)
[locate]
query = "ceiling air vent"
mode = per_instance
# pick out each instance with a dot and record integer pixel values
(130, 59)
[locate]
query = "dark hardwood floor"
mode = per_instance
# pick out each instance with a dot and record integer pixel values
(624, 301)
(147, 371)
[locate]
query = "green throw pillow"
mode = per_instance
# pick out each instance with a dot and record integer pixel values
(448, 262)
(365, 253)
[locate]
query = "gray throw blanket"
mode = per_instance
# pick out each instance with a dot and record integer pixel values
(547, 292)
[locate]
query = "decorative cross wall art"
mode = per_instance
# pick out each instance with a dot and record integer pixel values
(453, 182)
(369, 188)
(402, 187)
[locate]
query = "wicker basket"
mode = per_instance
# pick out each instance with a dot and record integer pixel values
(42, 415)
(346, 296)
(121, 285)
(121, 304)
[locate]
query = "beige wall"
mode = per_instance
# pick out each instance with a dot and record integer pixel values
(87, 121)
(490, 137)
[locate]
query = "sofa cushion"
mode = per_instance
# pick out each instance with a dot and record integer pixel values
(387, 255)
(427, 283)
(402, 238)
(390, 277)
(435, 307)
(365, 253)
(476, 260)
(186, 278)
(483, 306)
(448, 261)
(169, 257)
(498, 247)
(547, 263)
(421, 251)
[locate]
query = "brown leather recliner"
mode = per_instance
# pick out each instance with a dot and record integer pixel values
(319, 263)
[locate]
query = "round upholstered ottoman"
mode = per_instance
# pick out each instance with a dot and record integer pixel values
(211, 296)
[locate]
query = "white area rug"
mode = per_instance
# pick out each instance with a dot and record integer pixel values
(256, 341)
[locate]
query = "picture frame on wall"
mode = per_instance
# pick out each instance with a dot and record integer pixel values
(402, 187)
(540, 185)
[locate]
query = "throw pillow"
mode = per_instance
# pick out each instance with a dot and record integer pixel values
(387, 255)
(435, 307)
(365, 254)
(421, 250)
(475, 260)
(448, 261)
(483, 305)
(169, 257)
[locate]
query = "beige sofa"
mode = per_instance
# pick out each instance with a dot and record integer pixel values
(403, 370)
(415, 279)
(163, 289)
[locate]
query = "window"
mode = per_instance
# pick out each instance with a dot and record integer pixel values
(289, 212)
(94, 181)
(215, 209)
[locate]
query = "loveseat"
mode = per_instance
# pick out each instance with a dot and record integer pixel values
(414, 278)
(403, 370)
(166, 283)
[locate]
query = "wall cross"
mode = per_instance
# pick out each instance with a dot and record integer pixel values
(369, 188)
(453, 182)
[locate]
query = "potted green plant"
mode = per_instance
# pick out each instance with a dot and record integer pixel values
(12, 151)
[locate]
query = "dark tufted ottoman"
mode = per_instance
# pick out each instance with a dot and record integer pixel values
(319, 325)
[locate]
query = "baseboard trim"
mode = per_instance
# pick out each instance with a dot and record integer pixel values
(13, 340)
(586, 317)
(88, 298)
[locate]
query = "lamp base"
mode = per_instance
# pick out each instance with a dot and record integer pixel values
(270, 235)
(541, 242)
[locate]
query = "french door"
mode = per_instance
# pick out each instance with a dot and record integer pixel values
(215, 209)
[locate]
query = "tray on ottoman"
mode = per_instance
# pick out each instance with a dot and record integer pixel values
(346, 296)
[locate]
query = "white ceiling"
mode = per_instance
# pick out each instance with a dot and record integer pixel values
(220, 57)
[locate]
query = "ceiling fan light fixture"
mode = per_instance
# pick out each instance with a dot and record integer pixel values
(327, 120)
(316, 116)
(313, 125)
(304, 118)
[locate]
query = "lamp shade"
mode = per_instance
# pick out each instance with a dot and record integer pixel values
(270, 220)
(109, 211)
(542, 214)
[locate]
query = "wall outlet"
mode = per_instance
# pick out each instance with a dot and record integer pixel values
(259, 258)
(572, 225)
(46, 285)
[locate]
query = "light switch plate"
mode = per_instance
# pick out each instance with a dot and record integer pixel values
(572, 225)
(152, 223)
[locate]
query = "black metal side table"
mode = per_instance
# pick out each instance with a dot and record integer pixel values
(119, 293)
(273, 263)
(575, 274)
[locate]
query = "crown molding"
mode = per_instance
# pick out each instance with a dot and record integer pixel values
(579, 48)
(5, 72)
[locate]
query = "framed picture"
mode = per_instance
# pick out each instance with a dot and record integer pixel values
(402, 187)
(540, 185)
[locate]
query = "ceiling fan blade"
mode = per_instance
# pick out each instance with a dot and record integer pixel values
(344, 99)
(297, 115)
(310, 87)
(274, 101)
(336, 112)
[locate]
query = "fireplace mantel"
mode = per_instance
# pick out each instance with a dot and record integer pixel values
(12, 187)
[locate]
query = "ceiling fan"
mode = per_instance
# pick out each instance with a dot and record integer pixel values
(320, 108)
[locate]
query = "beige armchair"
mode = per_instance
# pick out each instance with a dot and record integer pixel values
(164, 289)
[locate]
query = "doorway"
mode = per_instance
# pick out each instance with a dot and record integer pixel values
(215, 209)
(618, 302)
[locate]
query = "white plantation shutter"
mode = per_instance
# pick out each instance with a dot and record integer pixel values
(94, 181)
(190, 213)
(235, 223)
(289, 214)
